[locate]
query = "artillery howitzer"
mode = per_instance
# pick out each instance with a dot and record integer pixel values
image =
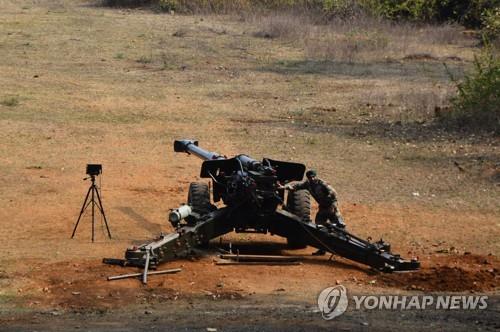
(254, 202)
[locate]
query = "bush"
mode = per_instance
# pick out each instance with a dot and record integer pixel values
(168, 5)
(491, 23)
(401, 9)
(466, 12)
(477, 103)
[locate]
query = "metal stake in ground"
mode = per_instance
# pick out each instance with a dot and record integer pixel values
(93, 170)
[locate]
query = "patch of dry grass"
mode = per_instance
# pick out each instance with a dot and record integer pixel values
(286, 26)
(10, 101)
(359, 38)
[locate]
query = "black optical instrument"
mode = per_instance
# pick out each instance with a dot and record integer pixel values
(94, 169)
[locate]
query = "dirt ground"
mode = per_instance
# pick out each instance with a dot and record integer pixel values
(117, 86)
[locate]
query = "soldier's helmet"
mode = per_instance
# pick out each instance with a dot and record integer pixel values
(311, 173)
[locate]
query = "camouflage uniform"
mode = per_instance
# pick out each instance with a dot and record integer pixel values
(326, 197)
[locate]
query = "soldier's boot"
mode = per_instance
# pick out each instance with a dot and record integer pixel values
(331, 226)
(340, 224)
(340, 221)
(319, 252)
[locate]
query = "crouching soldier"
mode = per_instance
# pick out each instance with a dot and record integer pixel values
(328, 212)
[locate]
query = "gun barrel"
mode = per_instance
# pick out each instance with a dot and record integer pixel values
(191, 147)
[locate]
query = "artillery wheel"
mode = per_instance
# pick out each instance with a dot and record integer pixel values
(299, 203)
(199, 197)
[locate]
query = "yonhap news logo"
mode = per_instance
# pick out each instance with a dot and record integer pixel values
(333, 302)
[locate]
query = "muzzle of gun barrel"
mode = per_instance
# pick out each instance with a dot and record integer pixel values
(176, 215)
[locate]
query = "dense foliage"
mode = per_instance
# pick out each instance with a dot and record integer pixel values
(477, 103)
(466, 12)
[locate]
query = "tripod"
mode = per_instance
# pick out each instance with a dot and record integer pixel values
(95, 192)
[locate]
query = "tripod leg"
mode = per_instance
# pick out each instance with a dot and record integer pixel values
(102, 211)
(93, 212)
(84, 206)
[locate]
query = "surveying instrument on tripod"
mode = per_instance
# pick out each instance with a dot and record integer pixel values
(93, 170)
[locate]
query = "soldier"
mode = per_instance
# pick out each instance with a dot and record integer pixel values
(328, 213)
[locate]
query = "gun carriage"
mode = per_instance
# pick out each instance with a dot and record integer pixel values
(253, 201)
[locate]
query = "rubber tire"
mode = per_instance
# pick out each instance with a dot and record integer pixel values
(199, 200)
(299, 203)
(199, 197)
